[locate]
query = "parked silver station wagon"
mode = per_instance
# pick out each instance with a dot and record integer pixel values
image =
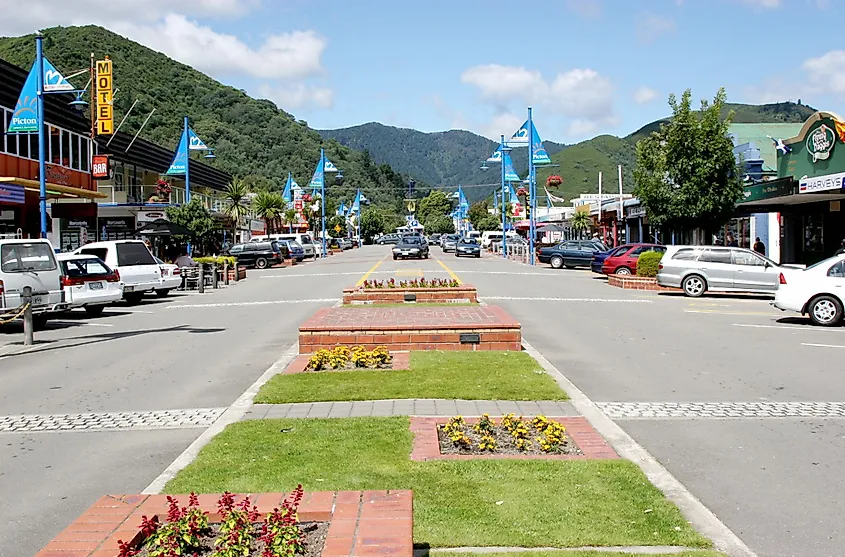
(697, 269)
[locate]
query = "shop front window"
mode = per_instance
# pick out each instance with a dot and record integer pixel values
(814, 233)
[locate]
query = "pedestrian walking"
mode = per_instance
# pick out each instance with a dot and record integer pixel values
(732, 241)
(759, 247)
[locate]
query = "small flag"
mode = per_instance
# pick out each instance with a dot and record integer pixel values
(330, 167)
(180, 160)
(510, 173)
(286, 195)
(195, 143)
(54, 80)
(520, 138)
(496, 156)
(781, 146)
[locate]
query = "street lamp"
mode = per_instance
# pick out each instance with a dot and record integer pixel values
(319, 180)
(501, 156)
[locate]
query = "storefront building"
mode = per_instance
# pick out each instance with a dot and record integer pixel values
(808, 192)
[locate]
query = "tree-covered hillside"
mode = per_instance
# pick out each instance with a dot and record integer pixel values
(252, 138)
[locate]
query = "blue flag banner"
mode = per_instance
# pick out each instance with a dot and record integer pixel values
(520, 138)
(463, 204)
(540, 155)
(341, 210)
(330, 167)
(54, 80)
(318, 178)
(180, 161)
(25, 117)
(195, 143)
(513, 198)
(495, 202)
(356, 205)
(286, 195)
(496, 156)
(510, 173)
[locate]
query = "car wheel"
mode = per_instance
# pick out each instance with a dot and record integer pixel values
(477, 255)
(162, 293)
(94, 311)
(622, 271)
(260, 263)
(395, 258)
(825, 311)
(556, 262)
(133, 298)
(694, 286)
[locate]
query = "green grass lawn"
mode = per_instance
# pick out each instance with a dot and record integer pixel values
(456, 503)
(483, 375)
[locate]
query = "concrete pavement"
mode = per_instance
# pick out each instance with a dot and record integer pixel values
(186, 353)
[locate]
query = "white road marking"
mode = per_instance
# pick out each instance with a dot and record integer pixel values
(71, 323)
(401, 271)
(124, 310)
(526, 299)
(715, 312)
(807, 328)
(261, 303)
(822, 345)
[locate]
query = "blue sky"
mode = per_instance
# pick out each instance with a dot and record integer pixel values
(587, 66)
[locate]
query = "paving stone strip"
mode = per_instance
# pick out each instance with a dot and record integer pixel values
(410, 407)
(111, 421)
(721, 410)
(632, 549)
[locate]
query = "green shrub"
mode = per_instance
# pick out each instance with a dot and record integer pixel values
(220, 260)
(647, 264)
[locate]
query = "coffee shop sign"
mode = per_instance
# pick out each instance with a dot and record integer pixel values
(820, 143)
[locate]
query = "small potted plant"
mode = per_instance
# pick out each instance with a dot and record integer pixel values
(554, 181)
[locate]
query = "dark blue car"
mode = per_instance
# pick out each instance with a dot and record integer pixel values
(570, 253)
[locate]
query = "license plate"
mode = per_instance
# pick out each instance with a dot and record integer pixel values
(129, 289)
(36, 300)
(95, 285)
(406, 253)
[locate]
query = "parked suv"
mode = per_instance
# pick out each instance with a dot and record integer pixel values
(697, 269)
(30, 263)
(138, 269)
(257, 254)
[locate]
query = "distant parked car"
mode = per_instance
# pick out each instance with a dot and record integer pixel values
(345, 243)
(468, 246)
(295, 250)
(257, 254)
(623, 261)
(139, 271)
(449, 242)
(388, 239)
(817, 291)
(697, 269)
(89, 283)
(171, 278)
(600, 256)
(410, 246)
(305, 242)
(569, 253)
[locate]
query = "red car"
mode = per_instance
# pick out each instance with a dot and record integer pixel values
(623, 260)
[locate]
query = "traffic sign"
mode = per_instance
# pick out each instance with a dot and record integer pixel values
(337, 228)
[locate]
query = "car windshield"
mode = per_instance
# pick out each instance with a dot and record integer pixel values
(822, 262)
(472, 241)
(17, 258)
(411, 240)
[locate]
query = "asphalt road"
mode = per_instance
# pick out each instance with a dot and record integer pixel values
(774, 481)
(180, 353)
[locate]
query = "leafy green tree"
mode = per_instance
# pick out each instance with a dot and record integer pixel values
(435, 204)
(290, 217)
(333, 223)
(477, 212)
(196, 218)
(489, 222)
(686, 174)
(439, 225)
(581, 221)
(372, 223)
(270, 206)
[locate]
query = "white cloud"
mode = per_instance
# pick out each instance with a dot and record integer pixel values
(650, 27)
(644, 95)
(585, 8)
(582, 95)
(762, 4)
(825, 72)
(824, 76)
(298, 95)
(503, 123)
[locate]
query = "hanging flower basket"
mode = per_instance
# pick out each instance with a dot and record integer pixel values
(554, 181)
(522, 192)
(163, 190)
(306, 198)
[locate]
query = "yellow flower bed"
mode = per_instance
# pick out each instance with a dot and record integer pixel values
(340, 357)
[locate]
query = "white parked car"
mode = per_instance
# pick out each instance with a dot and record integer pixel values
(303, 240)
(171, 277)
(89, 283)
(817, 291)
(139, 272)
(30, 263)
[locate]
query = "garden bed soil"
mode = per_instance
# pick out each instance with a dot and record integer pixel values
(315, 539)
(464, 293)
(400, 361)
(504, 444)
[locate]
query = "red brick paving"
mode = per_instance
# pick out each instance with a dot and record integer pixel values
(361, 524)
(401, 360)
(411, 328)
(427, 446)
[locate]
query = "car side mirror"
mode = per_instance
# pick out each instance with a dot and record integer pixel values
(766, 264)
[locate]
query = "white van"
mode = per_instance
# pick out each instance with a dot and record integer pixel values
(495, 236)
(139, 272)
(303, 240)
(30, 263)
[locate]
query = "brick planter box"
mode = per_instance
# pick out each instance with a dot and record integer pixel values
(241, 274)
(460, 294)
(413, 327)
(401, 361)
(361, 523)
(629, 282)
(427, 446)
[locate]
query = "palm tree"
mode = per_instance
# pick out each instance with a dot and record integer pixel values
(581, 221)
(290, 218)
(238, 202)
(269, 206)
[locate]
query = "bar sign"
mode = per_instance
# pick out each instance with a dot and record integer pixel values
(105, 95)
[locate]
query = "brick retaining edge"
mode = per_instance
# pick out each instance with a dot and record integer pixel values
(458, 294)
(361, 523)
(628, 282)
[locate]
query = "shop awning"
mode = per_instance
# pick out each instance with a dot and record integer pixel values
(54, 191)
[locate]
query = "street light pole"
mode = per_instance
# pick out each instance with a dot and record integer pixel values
(42, 167)
(504, 208)
(187, 162)
(532, 186)
(323, 197)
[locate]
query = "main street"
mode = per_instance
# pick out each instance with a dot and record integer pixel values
(651, 361)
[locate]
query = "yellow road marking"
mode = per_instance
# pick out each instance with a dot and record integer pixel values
(368, 273)
(448, 270)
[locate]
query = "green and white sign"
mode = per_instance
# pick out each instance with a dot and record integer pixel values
(820, 142)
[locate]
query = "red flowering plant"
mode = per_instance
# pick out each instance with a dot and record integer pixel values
(180, 535)
(306, 198)
(163, 189)
(554, 181)
(281, 535)
(522, 192)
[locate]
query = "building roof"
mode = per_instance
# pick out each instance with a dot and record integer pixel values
(143, 153)
(756, 134)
